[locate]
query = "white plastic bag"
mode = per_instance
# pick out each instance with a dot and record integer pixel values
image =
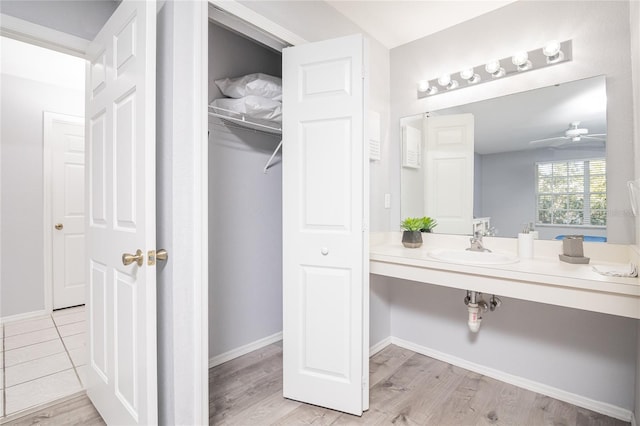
(258, 84)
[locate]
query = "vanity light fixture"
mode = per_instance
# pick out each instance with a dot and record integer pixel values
(552, 53)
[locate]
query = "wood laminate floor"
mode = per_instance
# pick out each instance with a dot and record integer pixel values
(406, 389)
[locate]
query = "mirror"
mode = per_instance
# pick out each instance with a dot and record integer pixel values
(534, 154)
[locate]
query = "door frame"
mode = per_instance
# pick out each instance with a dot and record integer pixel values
(48, 118)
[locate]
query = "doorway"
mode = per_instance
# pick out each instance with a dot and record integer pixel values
(42, 109)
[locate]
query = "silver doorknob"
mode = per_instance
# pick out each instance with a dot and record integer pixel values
(59, 226)
(128, 259)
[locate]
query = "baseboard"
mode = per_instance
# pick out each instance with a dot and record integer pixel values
(24, 316)
(243, 350)
(562, 395)
(379, 346)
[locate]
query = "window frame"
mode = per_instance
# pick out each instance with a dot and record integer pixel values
(586, 194)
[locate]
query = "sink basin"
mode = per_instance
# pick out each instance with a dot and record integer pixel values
(468, 257)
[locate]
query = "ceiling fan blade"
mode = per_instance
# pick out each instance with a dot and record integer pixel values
(595, 137)
(548, 140)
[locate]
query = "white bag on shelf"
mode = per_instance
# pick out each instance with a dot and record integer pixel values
(258, 84)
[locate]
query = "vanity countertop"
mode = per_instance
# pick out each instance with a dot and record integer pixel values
(543, 279)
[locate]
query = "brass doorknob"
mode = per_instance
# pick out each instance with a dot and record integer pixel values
(161, 254)
(128, 259)
(59, 226)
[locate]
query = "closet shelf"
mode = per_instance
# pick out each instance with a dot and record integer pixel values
(242, 120)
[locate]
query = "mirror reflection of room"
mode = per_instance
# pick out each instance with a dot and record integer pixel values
(533, 161)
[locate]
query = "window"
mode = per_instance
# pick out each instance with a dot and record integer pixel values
(572, 193)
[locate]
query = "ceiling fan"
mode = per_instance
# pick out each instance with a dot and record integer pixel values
(574, 134)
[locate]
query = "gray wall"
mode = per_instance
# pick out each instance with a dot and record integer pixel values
(596, 353)
(21, 192)
(79, 18)
(586, 353)
(600, 34)
(245, 210)
(508, 190)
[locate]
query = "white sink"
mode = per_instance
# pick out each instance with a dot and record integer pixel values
(468, 257)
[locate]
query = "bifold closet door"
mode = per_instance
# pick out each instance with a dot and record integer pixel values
(325, 209)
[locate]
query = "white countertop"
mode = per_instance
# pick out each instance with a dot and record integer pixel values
(543, 279)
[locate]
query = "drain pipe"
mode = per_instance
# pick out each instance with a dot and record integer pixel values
(476, 305)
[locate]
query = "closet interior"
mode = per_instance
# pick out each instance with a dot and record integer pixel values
(245, 195)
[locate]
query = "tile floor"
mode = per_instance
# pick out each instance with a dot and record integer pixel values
(42, 359)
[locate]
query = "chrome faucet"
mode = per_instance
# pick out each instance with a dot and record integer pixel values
(476, 243)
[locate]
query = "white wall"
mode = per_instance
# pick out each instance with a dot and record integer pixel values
(245, 210)
(600, 34)
(80, 18)
(589, 354)
(21, 192)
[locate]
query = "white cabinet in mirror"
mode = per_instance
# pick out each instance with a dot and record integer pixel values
(536, 157)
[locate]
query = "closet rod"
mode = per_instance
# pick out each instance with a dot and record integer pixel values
(266, 167)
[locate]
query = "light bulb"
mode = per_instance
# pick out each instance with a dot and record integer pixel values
(469, 75)
(521, 61)
(423, 86)
(444, 80)
(552, 51)
(520, 58)
(466, 74)
(494, 69)
(551, 48)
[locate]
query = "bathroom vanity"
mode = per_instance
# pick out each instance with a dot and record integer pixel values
(544, 278)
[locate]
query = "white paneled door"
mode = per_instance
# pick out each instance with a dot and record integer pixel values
(120, 210)
(64, 136)
(449, 172)
(325, 212)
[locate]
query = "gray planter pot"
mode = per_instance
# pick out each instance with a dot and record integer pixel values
(412, 239)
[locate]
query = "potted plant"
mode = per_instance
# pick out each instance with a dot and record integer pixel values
(428, 223)
(412, 237)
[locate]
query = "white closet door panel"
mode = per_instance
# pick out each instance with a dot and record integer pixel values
(324, 213)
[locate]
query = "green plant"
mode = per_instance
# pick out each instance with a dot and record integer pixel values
(412, 224)
(428, 223)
